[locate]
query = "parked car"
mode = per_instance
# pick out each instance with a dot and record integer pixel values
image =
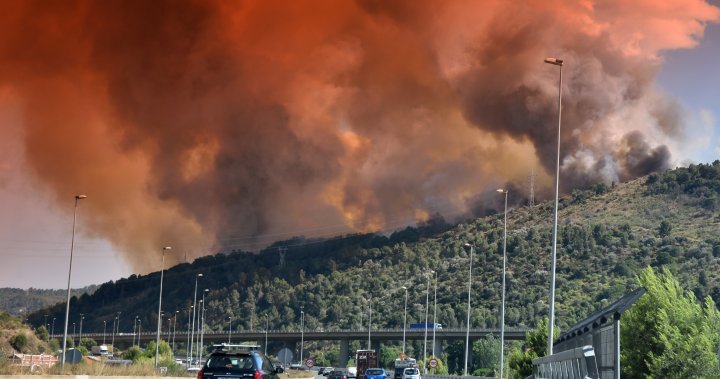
(338, 374)
(411, 373)
(236, 361)
(376, 373)
(352, 372)
(325, 371)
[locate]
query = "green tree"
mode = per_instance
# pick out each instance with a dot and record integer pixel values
(668, 333)
(388, 354)
(134, 353)
(19, 342)
(520, 361)
(664, 229)
(88, 343)
(42, 333)
(486, 355)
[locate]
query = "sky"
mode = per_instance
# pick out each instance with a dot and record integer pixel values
(214, 126)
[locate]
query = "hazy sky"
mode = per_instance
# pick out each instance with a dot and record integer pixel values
(223, 125)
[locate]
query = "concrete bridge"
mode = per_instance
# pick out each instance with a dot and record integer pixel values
(291, 338)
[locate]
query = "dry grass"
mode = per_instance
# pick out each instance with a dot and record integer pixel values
(94, 369)
(299, 374)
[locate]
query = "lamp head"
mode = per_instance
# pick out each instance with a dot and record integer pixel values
(167, 248)
(78, 197)
(199, 275)
(554, 61)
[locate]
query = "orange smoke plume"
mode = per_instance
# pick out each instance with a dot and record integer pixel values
(201, 123)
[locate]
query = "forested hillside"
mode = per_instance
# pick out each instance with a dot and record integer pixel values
(606, 235)
(20, 302)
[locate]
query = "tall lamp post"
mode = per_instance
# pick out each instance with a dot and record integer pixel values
(302, 332)
(112, 341)
(82, 317)
(229, 328)
(551, 324)
(159, 319)
(67, 303)
(188, 346)
(405, 317)
(502, 302)
(369, 322)
(104, 330)
(427, 307)
(134, 329)
(434, 317)
(192, 329)
(174, 329)
(267, 324)
(202, 325)
(467, 334)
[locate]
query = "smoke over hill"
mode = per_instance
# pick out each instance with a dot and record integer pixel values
(201, 121)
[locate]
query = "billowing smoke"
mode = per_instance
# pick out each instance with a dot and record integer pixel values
(232, 123)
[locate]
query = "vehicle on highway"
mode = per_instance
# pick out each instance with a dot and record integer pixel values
(411, 373)
(426, 326)
(338, 374)
(401, 364)
(237, 361)
(325, 371)
(352, 372)
(376, 373)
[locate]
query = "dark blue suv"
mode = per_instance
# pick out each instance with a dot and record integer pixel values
(376, 373)
(238, 362)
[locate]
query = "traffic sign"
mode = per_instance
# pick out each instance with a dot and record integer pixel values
(309, 363)
(433, 363)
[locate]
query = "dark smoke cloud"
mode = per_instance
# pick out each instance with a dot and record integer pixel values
(212, 123)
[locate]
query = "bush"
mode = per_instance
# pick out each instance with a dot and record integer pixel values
(19, 342)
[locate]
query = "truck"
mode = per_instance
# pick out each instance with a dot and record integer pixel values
(365, 359)
(401, 364)
(101, 350)
(426, 326)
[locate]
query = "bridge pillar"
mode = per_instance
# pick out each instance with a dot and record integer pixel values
(438, 348)
(344, 351)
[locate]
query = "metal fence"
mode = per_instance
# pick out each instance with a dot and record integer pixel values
(578, 363)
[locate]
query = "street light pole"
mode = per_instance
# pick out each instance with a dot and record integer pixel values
(201, 317)
(427, 308)
(188, 346)
(112, 342)
(405, 318)
(157, 338)
(104, 330)
(369, 322)
(467, 334)
(192, 330)
(302, 333)
(434, 317)
(67, 303)
(174, 329)
(502, 307)
(229, 328)
(267, 325)
(82, 317)
(551, 324)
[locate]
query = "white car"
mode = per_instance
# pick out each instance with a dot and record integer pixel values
(411, 373)
(352, 372)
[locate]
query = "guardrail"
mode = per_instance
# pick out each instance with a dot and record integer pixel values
(578, 363)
